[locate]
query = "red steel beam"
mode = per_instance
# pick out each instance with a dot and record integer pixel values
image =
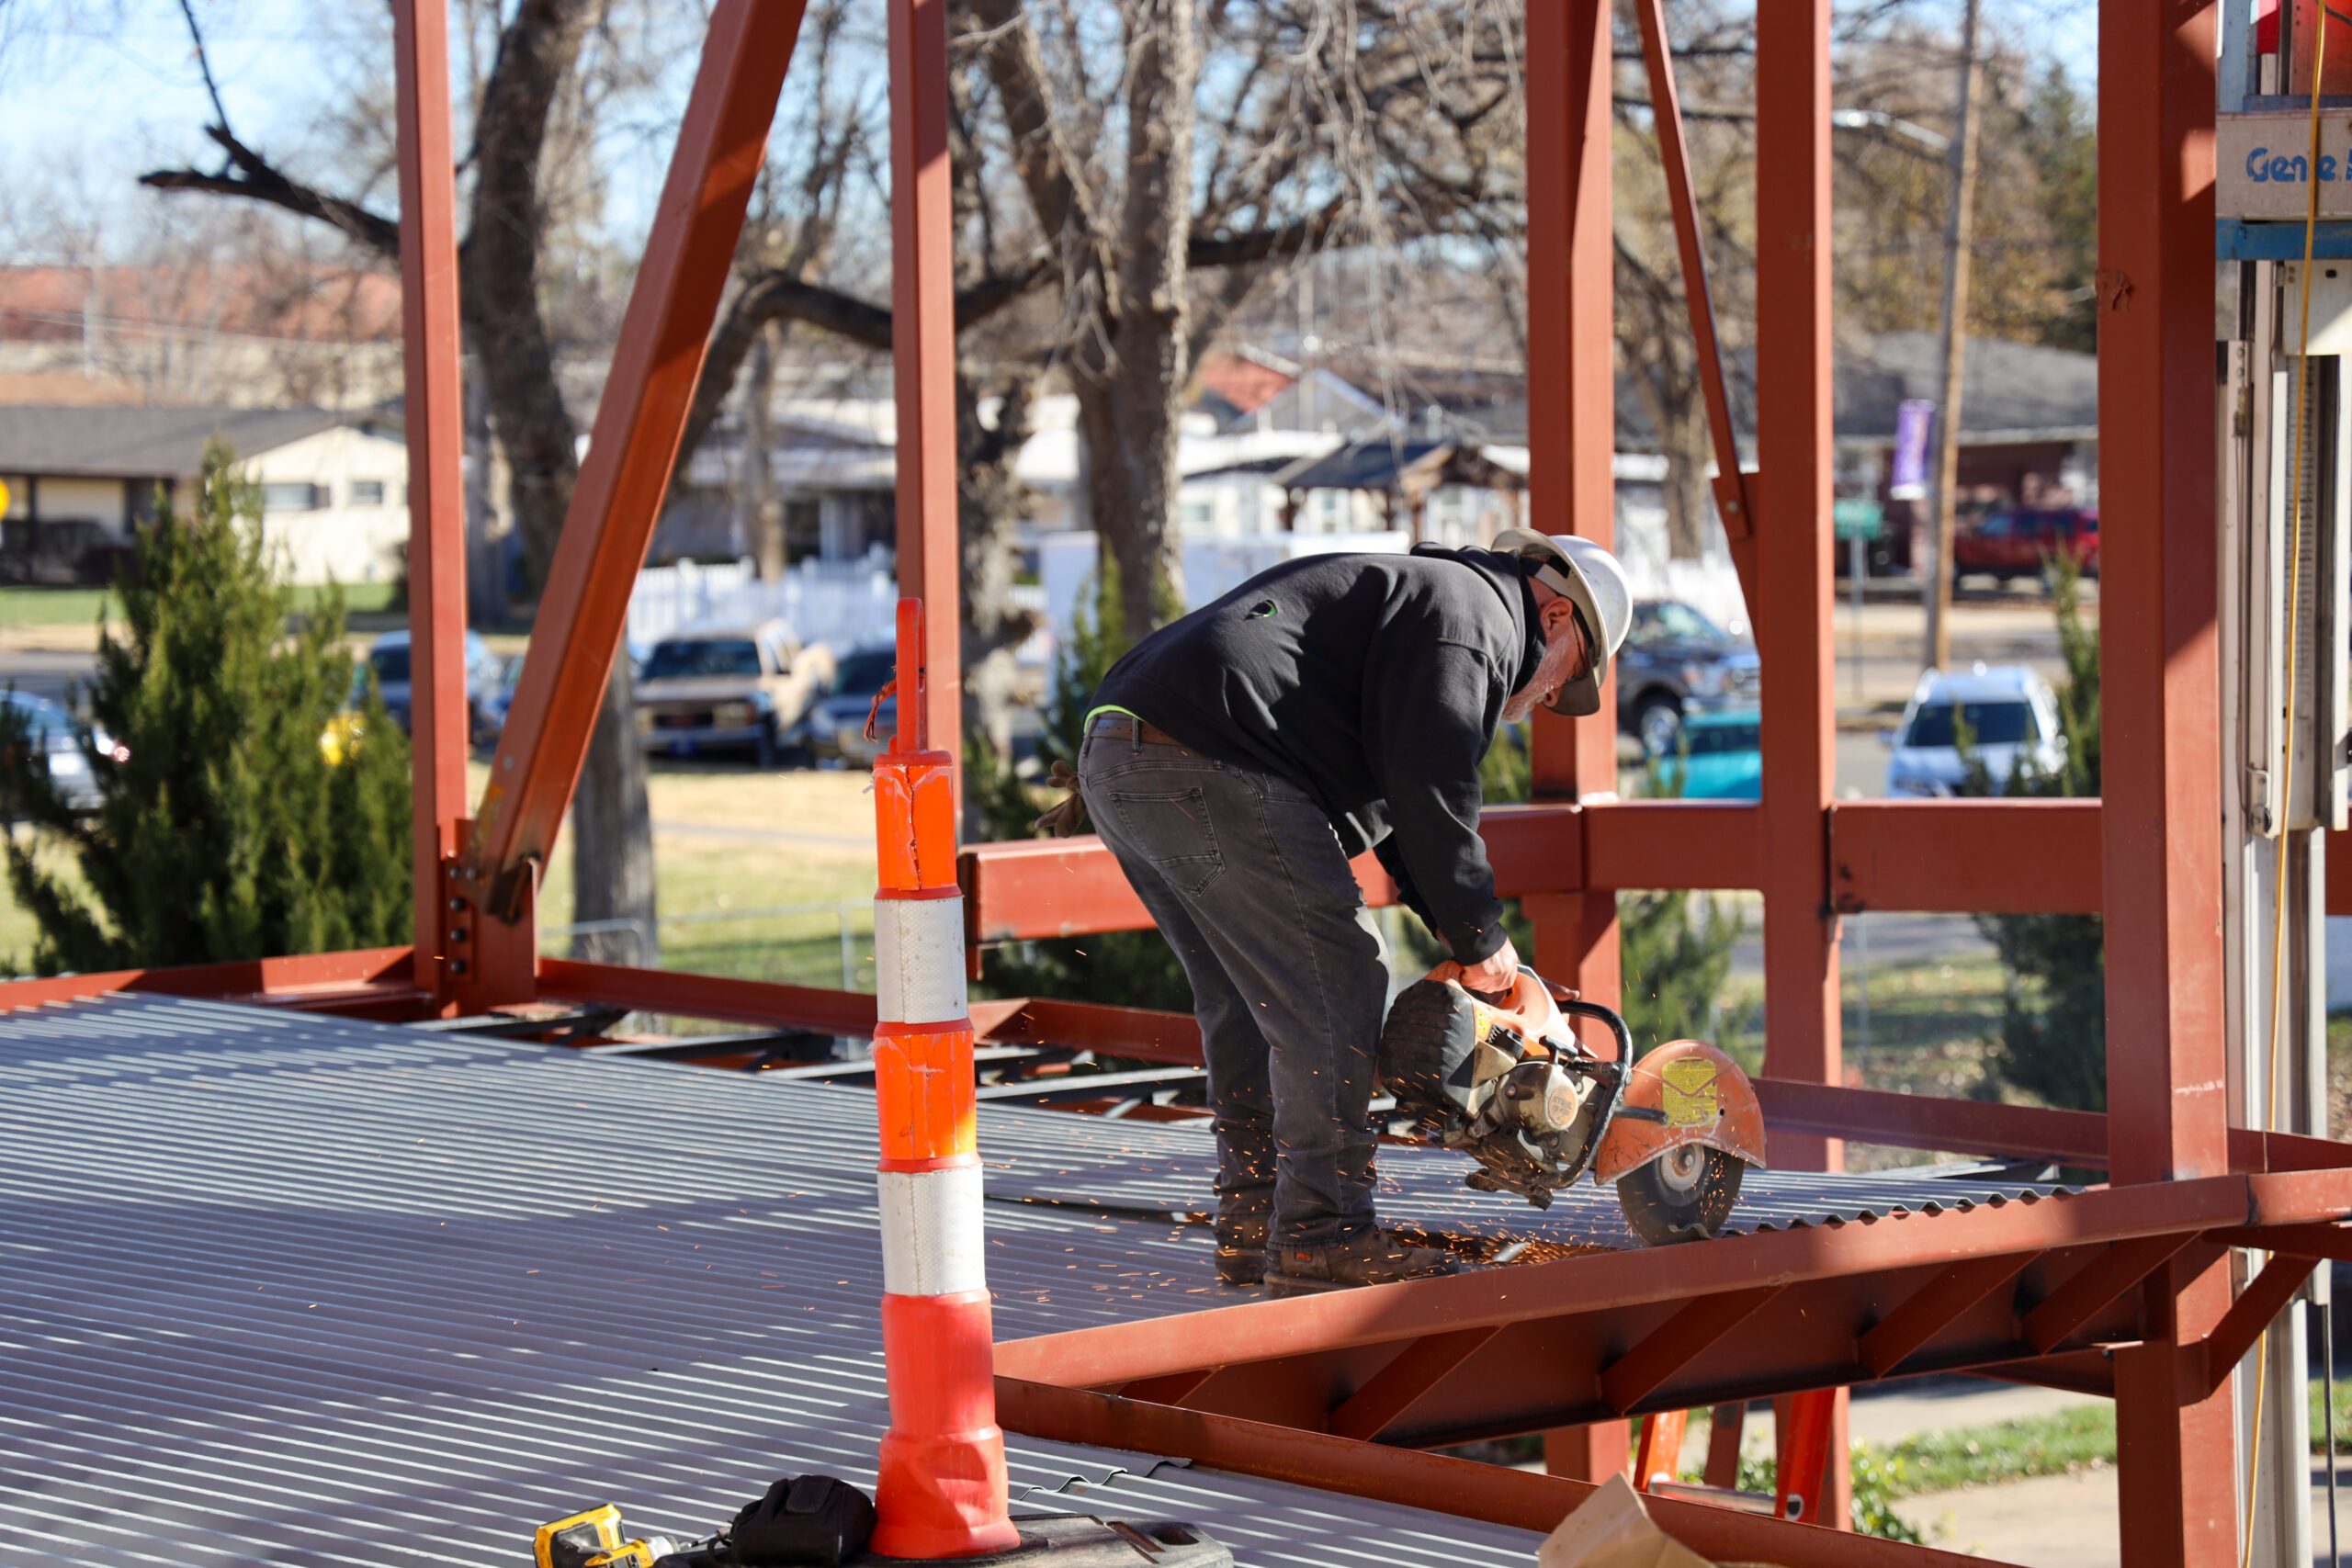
(2160, 688)
(305, 981)
(1306, 1326)
(432, 409)
(2019, 857)
(1925, 855)
(1140, 1032)
(722, 143)
(1463, 1488)
(1025, 889)
(2251, 1150)
(923, 359)
(707, 996)
(1673, 843)
(2075, 1137)
(2329, 1241)
(1928, 1122)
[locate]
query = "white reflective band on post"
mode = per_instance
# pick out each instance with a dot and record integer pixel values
(918, 960)
(931, 1232)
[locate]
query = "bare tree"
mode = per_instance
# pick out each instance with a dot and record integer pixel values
(534, 113)
(1324, 121)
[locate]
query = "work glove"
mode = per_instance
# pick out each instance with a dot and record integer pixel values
(1069, 816)
(808, 1521)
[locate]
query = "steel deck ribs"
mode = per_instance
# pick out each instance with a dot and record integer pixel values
(291, 1288)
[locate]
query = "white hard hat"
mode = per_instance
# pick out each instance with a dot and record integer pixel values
(1589, 579)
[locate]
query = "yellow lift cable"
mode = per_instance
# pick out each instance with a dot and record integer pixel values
(2287, 759)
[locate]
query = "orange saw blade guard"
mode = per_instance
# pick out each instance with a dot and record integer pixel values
(1699, 1096)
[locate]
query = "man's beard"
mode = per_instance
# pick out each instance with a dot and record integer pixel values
(1550, 676)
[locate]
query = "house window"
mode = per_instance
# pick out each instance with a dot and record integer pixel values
(366, 492)
(292, 497)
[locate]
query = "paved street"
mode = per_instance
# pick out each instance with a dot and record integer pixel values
(46, 672)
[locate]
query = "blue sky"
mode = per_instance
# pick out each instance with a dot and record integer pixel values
(97, 91)
(95, 98)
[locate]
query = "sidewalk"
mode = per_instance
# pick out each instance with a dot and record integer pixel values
(2008, 630)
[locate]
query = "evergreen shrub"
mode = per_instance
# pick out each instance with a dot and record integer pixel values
(255, 811)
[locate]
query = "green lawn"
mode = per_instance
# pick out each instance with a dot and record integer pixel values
(2342, 1415)
(53, 606)
(717, 852)
(2060, 1444)
(80, 606)
(2057, 1444)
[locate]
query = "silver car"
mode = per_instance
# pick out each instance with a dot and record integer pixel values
(728, 688)
(2008, 713)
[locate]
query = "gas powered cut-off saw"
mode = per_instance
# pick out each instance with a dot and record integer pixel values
(1505, 1079)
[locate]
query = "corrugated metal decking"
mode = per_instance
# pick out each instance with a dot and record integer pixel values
(289, 1289)
(1166, 1168)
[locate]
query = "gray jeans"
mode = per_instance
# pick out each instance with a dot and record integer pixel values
(1243, 876)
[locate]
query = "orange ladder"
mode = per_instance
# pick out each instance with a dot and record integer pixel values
(1804, 1432)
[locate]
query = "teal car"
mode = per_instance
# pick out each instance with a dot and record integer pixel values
(1720, 757)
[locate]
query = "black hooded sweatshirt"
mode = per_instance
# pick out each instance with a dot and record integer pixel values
(1374, 683)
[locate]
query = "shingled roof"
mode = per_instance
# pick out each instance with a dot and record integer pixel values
(152, 443)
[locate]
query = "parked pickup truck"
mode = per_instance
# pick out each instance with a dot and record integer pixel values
(2015, 544)
(728, 688)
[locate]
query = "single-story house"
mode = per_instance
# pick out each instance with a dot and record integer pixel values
(333, 486)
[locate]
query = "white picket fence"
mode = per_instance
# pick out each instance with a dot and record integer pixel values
(840, 603)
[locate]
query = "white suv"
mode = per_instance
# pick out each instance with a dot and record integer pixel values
(2008, 711)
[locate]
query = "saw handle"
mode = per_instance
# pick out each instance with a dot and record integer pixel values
(1577, 1007)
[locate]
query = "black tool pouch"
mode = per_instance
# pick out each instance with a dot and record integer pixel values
(808, 1521)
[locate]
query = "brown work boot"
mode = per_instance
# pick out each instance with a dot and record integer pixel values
(1369, 1258)
(1241, 1248)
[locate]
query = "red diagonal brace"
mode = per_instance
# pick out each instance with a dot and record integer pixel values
(721, 146)
(1675, 1343)
(2098, 1282)
(1934, 1307)
(1172, 1388)
(1733, 493)
(1416, 1369)
(2212, 1359)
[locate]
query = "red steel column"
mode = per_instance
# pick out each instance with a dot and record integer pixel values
(1791, 607)
(435, 417)
(922, 349)
(1791, 616)
(1572, 438)
(2160, 691)
(1571, 404)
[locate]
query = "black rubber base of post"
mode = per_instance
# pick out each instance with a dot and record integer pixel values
(1077, 1541)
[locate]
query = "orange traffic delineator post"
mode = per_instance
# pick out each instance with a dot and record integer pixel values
(942, 1491)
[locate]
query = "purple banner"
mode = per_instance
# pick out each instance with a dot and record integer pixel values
(1906, 477)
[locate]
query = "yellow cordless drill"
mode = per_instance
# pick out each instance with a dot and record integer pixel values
(595, 1539)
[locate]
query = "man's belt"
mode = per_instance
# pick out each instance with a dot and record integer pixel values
(1124, 727)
